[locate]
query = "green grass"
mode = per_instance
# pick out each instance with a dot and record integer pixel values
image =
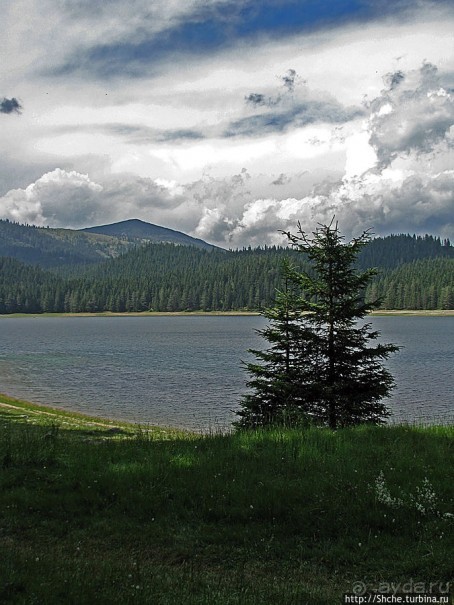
(35, 414)
(280, 516)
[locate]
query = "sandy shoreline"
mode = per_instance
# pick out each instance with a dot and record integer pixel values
(384, 312)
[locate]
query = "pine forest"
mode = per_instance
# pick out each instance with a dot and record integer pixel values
(415, 272)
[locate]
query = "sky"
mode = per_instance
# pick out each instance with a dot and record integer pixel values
(230, 120)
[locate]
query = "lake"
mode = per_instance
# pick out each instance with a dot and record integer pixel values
(186, 371)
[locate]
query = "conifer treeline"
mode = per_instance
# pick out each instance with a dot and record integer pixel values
(164, 277)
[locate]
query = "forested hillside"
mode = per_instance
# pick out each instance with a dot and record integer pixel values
(394, 250)
(26, 288)
(69, 250)
(50, 248)
(415, 273)
(422, 284)
(173, 278)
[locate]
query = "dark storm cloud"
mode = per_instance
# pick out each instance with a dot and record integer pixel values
(289, 80)
(180, 135)
(133, 133)
(282, 179)
(10, 106)
(301, 114)
(256, 98)
(142, 134)
(413, 116)
(295, 107)
(394, 79)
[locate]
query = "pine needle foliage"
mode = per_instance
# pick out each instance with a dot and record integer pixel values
(323, 365)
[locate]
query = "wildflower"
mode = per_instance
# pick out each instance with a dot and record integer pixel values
(425, 500)
(383, 494)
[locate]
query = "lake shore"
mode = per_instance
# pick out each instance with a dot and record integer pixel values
(38, 414)
(384, 312)
(43, 415)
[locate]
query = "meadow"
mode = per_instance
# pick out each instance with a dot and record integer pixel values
(93, 511)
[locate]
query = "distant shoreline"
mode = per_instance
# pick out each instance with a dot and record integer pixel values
(417, 312)
(384, 312)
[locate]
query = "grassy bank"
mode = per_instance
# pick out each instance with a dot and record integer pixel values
(90, 515)
(27, 412)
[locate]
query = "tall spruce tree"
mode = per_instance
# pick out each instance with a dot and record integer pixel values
(322, 363)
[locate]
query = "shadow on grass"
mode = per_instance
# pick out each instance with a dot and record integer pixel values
(254, 517)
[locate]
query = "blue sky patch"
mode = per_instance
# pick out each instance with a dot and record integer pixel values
(223, 26)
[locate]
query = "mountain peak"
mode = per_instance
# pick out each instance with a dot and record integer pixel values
(137, 229)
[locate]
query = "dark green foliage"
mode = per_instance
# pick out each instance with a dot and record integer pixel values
(282, 380)
(176, 278)
(158, 277)
(421, 284)
(395, 250)
(27, 289)
(321, 363)
(166, 277)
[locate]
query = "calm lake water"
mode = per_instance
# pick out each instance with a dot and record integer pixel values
(187, 371)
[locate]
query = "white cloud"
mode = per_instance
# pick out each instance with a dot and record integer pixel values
(70, 199)
(56, 199)
(121, 147)
(414, 114)
(360, 155)
(422, 202)
(213, 225)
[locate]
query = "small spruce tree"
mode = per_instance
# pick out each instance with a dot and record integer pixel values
(281, 381)
(322, 364)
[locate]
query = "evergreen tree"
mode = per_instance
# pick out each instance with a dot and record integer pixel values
(322, 361)
(282, 382)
